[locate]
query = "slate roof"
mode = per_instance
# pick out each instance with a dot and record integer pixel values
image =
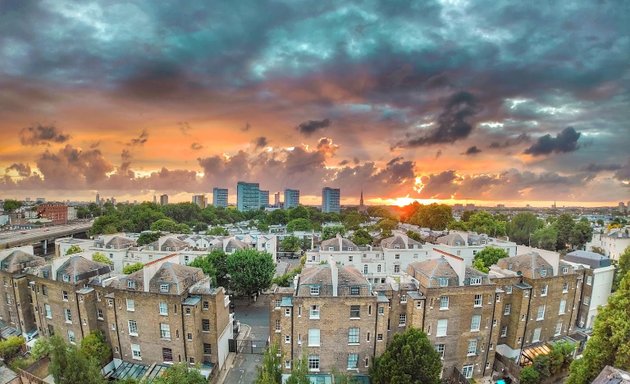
(173, 244)
(18, 260)
(612, 375)
(178, 277)
(120, 242)
(528, 264)
(403, 242)
(592, 259)
(427, 272)
(78, 268)
(338, 243)
(321, 275)
(452, 239)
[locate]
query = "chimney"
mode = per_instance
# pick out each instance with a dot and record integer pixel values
(334, 275)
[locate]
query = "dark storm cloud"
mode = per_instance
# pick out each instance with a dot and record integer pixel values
(453, 123)
(520, 139)
(42, 134)
(22, 169)
(72, 167)
(592, 167)
(309, 127)
(565, 141)
(261, 142)
(623, 174)
(472, 151)
(196, 146)
(140, 140)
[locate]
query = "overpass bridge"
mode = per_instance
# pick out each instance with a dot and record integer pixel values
(43, 239)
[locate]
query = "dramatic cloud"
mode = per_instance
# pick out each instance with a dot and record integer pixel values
(196, 146)
(565, 141)
(72, 167)
(261, 142)
(623, 174)
(307, 128)
(472, 151)
(140, 140)
(42, 134)
(592, 167)
(23, 170)
(452, 124)
(520, 139)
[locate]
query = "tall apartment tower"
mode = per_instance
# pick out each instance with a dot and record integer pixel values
(247, 196)
(264, 198)
(291, 198)
(220, 197)
(330, 200)
(199, 200)
(163, 199)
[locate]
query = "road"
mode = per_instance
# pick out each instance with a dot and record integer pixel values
(30, 236)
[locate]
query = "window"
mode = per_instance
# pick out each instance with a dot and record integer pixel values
(353, 335)
(536, 335)
(403, 299)
(587, 300)
(443, 281)
(189, 336)
(354, 291)
(67, 315)
(478, 300)
(504, 330)
(370, 309)
(443, 302)
(287, 311)
(565, 269)
(135, 352)
(367, 337)
(99, 313)
(131, 305)
(442, 326)
(589, 280)
(205, 325)
(541, 312)
(379, 337)
(472, 347)
(467, 371)
(440, 349)
(314, 291)
(313, 338)
(543, 290)
(396, 268)
(558, 329)
(165, 331)
(71, 337)
(163, 308)
(475, 281)
(379, 268)
(353, 360)
(48, 311)
(381, 310)
(508, 289)
(44, 290)
(475, 323)
(287, 339)
(507, 309)
(207, 349)
(313, 362)
(133, 327)
(64, 295)
(543, 272)
(131, 284)
(164, 288)
(205, 306)
(314, 312)
(365, 269)
(167, 355)
(277, 325)
(563, 305)
(355, 311)
(565, 287)
(187, 309)
(402, 320)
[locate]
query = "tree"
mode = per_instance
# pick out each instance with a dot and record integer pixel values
(299, 225)
(299, 212)
(529, 376)
(73, 249)
(179, 373)
(433, 216)
(410, 358)
(148, 237)
(290, 244)
(545, 238)
(278, 216)
(387, 225)
(362, 237)
(100, 257)
(415, 236)
(270, 372)
(131, 268)
(564, 225)
(522, 226)
(456, 225)
(11, 206)
(217, 231)
(353, 220)
(168, 225)
(609, 343)
(41, 348)
(299, 373)
(95, 345)
(487, 257)
(250, 270)
(581, 233)
(69, 365)
(331, 231)
(11, 347)
(623, 267)
(484, 222)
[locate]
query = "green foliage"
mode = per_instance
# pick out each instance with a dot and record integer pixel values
(11, 347)
(456, 225)
(148, 237)
(131, 268)
(290, 244)
(127, 218)
(214, 265)
(180, 373)
(278, 216)
(387, 225)
(299, 225)
(564, 225)
(415, 236)
(182, 212)
(362, 237)
(73, 249)
(168, 225)
(609, 343)
(270, 372)
(484, 222)
(69, 365)
(41, 348)
(434, 216)
(217, 231)
(409, 358)
(331, 231)
(95, 345)
(299, 212)
(299, 372)
(581, 233)
(623, 267)
(385, 212)
(250, 270)
(529, 376)
(545, 238)
(487, 257)
(522, 226)
(100, 257)
(11, 205)
(353, 220)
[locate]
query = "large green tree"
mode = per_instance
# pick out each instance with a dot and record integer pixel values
(564, 226)
(214, 265)
(581, 233)
(168, 225)
(290, 244)
(609, 343)
(11, 205)
(484, 222)
(545, 238)
(148, 237)
(70, 365)
(623, 268)
(331, 231)
(362, 237)
(11, 347)
(487, 257)
(95, 345)
(522, 226)
(434, 216)
(270, 371)
(409, 358)
(299, 225)
(250, 270)
(181, 373)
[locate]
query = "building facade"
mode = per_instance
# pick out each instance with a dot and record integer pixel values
(331, 198)
(291, 198)
(164, 199)
(57, 213)
(264, 199)
(220, 197)
(247, 196)
(199, 200)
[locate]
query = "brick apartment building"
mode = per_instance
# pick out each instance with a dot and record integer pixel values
(57, 213)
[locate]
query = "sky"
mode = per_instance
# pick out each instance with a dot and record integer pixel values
(487, 102)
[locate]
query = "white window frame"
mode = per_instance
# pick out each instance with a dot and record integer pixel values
(314, 312)
(443, 281)
(442, 328)
(540, 314)
(504, 331)
(67, 315)
(136, 353)
(468, 370)
(163, 308)
(313, 363)
(314, 337)
(131, 305)
(507, 309)
(558, 330)
(478, 302)
(536, 335)
(563, 307)
(165, 331)
(314, 291)
(444, 302)
(48, 311)
(475, 323)
(402, 320)
(132, 326)
(440, 348)
(353, 361)
(475, 280)
(472, 347)
(354, 335)
(544, 290)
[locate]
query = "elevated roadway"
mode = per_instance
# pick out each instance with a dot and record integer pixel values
(43, 238)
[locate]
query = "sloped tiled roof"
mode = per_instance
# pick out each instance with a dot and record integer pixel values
(18, 260)
(528, 264)
(78, 268)
(403, 242)
(180, 276)
(338, 243)
(120, 242)
(452, 239)
(173, 244)
(428, 271)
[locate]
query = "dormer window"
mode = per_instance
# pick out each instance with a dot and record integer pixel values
(543, 272)
(350, 248)
(396, 246)
(475, 281)
(164, 288)
(565, 269)
(354, 291)
(314, 291)
(331, 248)
(131, 284)
(443, 281)
(66, 278)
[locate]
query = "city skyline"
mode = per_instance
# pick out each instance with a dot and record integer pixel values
(449, 102)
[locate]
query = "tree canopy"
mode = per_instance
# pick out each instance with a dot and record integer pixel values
(100, 257)
(131, 268)
(362, 237)
(299, 224)
(433, 216)
(329, 232)
(95, 345)
(73, 249)
(409, 358)
(250, 270)
(487, 257)
(214, 265)
(148, 237)
(522, 226)
(484, 222)
(70, 365)
(270, 371)
(11, 205)
(180, 373)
